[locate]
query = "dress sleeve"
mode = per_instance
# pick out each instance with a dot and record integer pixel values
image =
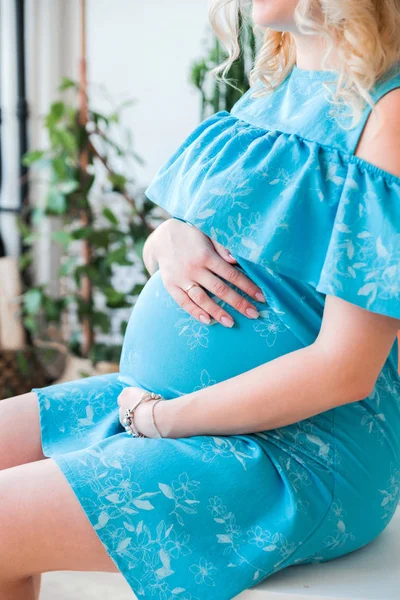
(362, 261)
(306, 211)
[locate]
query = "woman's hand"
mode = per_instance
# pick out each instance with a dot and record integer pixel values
(185, 255)
(143, 413)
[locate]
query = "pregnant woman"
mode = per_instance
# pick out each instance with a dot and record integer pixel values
(267, 333)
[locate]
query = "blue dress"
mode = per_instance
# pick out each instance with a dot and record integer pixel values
(276, 181)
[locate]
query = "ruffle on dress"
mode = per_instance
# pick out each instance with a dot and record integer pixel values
(295, 206)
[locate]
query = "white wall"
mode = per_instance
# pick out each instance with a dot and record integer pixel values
(144, 50)
(51, 44)
(136, 49)
(9, 129)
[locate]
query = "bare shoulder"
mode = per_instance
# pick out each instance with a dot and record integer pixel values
(380, 140)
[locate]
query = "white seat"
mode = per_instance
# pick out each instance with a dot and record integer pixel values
(370, 573)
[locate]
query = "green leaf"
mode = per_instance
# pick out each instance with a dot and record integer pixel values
(30, 324)
(62, 237)
(59, 167)
(67, 139)
(67, 187)
(33, 300)
(53, 308)
(137, 288)
(24, 260)
(101, 320)
(32, 156)
(110, 216)
(66, 84)
(115, 299)
(56, 202)
(67, 266)
(56, 113)
(38, 213)
(119, 257)
(138, 245)
(87, 270)
(81, 233)
(118, 181)
(30, 238)
(22, 363)
(101, 238)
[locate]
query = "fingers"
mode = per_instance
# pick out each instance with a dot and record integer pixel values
(199, 305)
(201, 299)
(222, 290)
(210, 265)
(182, 298)
(223, 252)
(234, 276)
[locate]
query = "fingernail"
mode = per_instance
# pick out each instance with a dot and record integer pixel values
(260, 297)
(227, 321)
(252, 313)
(204, 319)
(230, 256)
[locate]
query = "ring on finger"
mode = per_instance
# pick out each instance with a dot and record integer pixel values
(203, 318)
(189, 287)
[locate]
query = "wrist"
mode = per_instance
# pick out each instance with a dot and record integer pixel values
(149, 255)
(163, 417)
(152, 245)
(174, 417)
(143, 419)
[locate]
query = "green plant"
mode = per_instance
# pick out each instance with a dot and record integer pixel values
(80, 154)
(221, 95)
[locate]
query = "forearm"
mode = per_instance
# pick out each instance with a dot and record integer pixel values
(290, 388)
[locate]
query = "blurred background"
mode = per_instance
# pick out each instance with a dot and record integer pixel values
(95, 95)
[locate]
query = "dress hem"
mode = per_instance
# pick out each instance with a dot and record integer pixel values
(62, 461)
(63, 465)
(44, 429)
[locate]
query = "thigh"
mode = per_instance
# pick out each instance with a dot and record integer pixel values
(20, 436)
(43, 526)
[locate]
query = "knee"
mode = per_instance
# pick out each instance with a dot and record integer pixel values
(9, 510)
(18, 543)
(20, 437)
(5, 450)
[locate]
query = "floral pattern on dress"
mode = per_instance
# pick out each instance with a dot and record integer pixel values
(391, 495)
(362, 262)
(309, 437)
(234, 540)
(332, 221)
(275, 182)
(269, 326)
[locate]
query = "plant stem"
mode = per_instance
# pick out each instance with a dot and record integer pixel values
(86, 285)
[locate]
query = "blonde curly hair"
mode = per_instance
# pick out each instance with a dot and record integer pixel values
(362, 35)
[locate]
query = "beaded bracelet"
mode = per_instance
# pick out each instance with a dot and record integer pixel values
(129, 415)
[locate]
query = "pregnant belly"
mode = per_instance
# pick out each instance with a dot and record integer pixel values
(168, 351)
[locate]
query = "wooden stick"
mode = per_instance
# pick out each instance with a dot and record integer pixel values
(86, 286)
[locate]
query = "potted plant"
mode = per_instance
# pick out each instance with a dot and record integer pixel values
(83, 163)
